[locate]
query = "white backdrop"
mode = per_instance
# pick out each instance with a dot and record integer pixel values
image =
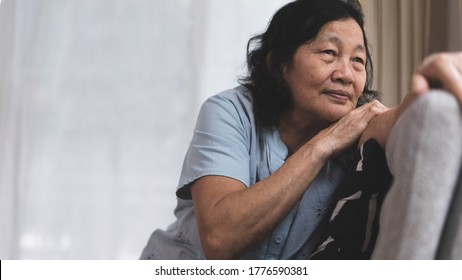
(98, 99)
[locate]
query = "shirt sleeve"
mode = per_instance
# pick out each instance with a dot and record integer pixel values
(220, 144)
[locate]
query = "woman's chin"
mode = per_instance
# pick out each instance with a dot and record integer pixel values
(336, 114)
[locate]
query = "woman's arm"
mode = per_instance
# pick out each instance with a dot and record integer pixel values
(232, 219)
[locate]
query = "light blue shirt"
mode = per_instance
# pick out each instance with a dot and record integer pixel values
(226, 142)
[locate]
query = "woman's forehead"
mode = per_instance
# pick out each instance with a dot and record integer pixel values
(341, 32)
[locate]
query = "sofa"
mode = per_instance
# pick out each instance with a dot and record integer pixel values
(421, 217)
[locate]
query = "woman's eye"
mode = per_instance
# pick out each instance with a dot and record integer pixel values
(329, 52)
(360, 60)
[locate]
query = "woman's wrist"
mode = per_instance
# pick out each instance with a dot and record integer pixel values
(321, 149)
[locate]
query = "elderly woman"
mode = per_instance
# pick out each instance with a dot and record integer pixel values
(260, 177)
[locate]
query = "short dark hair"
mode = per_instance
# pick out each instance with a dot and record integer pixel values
(291, 26)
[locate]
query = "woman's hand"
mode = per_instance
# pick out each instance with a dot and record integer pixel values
(440, 70)
(346, 131)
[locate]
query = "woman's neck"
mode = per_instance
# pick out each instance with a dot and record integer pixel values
(294, 132)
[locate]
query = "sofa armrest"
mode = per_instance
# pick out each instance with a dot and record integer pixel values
(424, 152)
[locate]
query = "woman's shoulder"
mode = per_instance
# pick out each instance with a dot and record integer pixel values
(239, 96)
(232, 103)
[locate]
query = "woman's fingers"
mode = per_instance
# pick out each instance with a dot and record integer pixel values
(357, 120)
(349, 128)
(419, 84)
(371, 110)
(442, 70)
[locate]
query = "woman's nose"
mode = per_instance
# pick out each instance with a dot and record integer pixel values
(343, 72)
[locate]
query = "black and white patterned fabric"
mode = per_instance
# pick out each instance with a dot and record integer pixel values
(354, 225)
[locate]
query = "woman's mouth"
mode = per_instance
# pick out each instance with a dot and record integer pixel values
(338, 94)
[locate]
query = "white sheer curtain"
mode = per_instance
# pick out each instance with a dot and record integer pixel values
(98, 99)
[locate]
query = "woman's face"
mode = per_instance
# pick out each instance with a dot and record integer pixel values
(327, 75)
